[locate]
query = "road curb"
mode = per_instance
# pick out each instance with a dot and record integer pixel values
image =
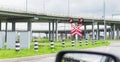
(27, 58)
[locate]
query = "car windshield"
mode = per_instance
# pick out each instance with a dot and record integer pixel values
(36, 30)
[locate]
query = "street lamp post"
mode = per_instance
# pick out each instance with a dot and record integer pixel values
(26, 5)
(68, 11)
(43, 6)
(104, 20)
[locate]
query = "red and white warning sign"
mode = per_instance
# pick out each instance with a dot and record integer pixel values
(76, 30)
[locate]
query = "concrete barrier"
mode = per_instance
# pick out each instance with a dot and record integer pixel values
(2, 39)
(25, 38)
(11, 39)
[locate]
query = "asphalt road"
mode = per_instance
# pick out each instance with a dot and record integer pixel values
(46, 59)
(113, 48)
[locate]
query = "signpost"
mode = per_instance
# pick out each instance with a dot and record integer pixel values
(76, 28)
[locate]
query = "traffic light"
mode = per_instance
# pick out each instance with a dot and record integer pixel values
(80, 20)
(70, 20)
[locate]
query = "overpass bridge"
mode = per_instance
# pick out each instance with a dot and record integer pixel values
(13, 17)
(53, 20)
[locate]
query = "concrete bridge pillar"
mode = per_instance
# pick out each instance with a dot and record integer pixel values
(6, 30)
(98, 32)
(29, 29)
(114, 29)
(84, 31)
(49, 31)
(56, 29)
(117, 33)
(66, 34)
(0, 25)
(13, 26)
(29, 26)
(93, 32)
(46, 35)
(53, 31)
(109, 33)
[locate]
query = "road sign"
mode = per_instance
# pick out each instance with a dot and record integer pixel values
(76, 33)
(76, 30)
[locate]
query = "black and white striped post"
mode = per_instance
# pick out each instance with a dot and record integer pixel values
(35, 45)
(52, 45)
(63, 42)
(95, 41)
(87, 38)
(86, 42)
(80, 42)
(73, 43)
(17, 46)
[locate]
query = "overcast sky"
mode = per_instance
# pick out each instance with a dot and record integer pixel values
(77, 7)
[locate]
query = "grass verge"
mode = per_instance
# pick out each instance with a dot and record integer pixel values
(44, 48)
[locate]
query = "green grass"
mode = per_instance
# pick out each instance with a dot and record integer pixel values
(44, 48)
(114, 40)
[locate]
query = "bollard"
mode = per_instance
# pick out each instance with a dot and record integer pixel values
(17, 46)
(63, 43)
(36, 45)
(86, 42)
(80, 42)
(72, 43)
(52, 45)
(93, 41)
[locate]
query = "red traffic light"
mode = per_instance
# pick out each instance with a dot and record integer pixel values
(70, 20)
(81, 20)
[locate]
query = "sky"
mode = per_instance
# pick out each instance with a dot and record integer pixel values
(60, 7)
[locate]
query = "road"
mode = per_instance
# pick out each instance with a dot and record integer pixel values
(113, 48)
